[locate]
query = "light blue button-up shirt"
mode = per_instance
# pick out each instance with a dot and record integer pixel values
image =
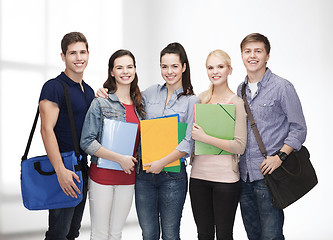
(278, 114)
(154, 99)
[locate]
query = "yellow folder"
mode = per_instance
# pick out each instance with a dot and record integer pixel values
(159, 137)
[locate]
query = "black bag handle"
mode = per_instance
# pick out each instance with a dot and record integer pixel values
(302, 151)
(71, 119)
(38, 168)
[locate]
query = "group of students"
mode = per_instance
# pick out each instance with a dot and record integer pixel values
(217, 182)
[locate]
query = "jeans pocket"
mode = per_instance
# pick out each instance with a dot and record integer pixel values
(174, 175)
(177, 176)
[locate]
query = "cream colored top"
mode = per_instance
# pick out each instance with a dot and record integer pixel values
(224, 168)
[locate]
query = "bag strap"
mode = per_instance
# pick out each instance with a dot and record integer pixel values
(253, 123)
(25, 155)
(71, 119)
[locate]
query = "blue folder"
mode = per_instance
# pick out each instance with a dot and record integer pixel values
(118, 137)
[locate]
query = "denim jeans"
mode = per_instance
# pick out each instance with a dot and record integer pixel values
(261, 219)
(159, 200)
(65, 223)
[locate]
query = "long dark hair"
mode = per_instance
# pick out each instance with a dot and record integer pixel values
(177, 48)
(111, 85)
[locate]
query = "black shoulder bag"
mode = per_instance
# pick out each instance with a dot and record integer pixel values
(296, 175)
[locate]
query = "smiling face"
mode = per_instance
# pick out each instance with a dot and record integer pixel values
(123, 70)
(172, 70)
(217, 69)
(255, 58)
(76, 59)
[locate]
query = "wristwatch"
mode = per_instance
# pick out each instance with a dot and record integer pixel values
(282, 155)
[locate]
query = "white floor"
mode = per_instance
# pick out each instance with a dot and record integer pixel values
(293, 227)
(132, 230)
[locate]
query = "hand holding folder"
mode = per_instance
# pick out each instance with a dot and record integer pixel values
(217, 120)
(181, 135)
(118, 137)
(159, 137)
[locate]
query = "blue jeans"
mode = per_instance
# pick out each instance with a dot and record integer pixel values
(65, 223)
(261, 219)
(159, 200)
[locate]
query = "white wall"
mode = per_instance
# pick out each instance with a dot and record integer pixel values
(300, 33)
(30, 36)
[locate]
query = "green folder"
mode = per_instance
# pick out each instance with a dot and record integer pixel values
(181, 135)
(217, 120)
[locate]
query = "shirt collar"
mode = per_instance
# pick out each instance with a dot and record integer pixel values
(179, 90)
(113, 97)
(69, 81)
(264, 80)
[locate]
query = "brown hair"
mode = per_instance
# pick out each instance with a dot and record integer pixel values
(256, 37)
(70, 38)
(177, 48)
(111, 85)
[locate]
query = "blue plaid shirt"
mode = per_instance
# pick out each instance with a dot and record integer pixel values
(278, 114)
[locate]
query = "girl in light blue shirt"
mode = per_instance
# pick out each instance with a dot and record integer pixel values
(160, 195)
